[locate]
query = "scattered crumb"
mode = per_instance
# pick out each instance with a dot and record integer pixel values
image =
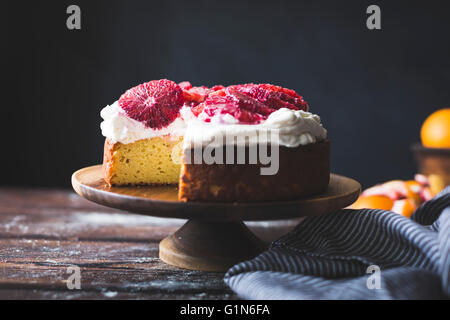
(110, 294)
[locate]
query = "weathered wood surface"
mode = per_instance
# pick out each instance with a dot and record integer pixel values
(42, 232)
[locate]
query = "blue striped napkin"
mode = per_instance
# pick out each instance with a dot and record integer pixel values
(355, 254)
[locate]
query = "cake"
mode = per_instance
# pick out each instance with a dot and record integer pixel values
(241, 143)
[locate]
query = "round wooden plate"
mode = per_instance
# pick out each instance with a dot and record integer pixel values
(215, 237)
(162, 201)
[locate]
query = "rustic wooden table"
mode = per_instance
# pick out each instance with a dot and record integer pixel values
(43, 232)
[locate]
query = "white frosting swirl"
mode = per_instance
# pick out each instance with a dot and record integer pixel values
(296, 127)
(292, 128)
(118, 127)
(286, 127)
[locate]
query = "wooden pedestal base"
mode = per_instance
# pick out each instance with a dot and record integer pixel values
(210, 245)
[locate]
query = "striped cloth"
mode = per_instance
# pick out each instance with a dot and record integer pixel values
(355, 254)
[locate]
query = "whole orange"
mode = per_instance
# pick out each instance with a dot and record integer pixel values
(435, 132)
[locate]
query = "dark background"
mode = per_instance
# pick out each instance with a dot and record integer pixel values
(373, 89)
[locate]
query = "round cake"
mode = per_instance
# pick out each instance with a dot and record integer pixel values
(241, 143)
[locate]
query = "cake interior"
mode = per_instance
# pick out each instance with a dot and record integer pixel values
(143, 162)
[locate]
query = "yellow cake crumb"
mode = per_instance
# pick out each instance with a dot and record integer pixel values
(147, 161)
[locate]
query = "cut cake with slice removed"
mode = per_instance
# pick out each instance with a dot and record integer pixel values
(146, 133)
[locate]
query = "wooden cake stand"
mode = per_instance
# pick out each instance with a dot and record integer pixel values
(215, 237)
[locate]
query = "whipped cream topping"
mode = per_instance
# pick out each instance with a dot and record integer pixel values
(291, 128)
(118, 127)
(286, 127)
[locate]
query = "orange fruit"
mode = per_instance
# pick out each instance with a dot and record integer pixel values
(405, 207)
(435, 132)
(373, 202)
(414, 188)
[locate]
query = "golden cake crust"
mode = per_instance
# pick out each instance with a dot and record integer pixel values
(108, 161)
(303, 171)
